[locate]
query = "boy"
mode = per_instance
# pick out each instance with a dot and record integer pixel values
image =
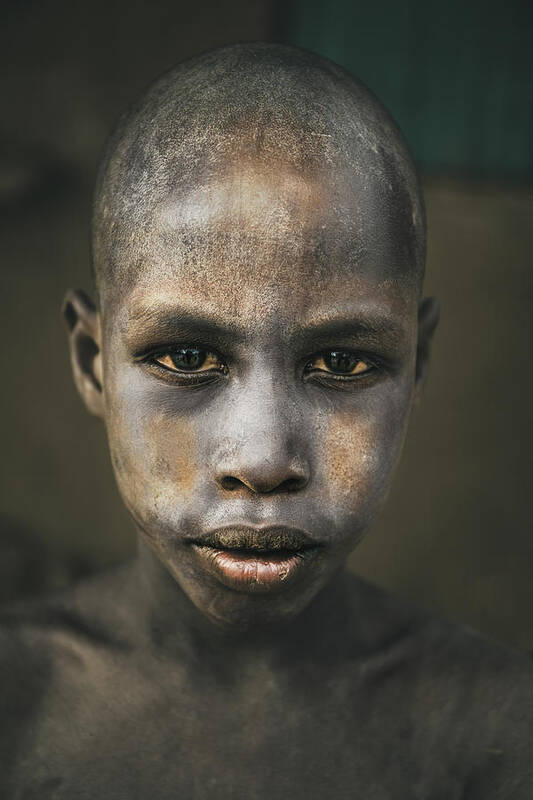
(255, 351)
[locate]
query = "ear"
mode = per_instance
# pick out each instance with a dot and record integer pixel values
(83, 324)
(428, 318)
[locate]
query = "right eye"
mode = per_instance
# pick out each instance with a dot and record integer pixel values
(187, 365)
(188, 359)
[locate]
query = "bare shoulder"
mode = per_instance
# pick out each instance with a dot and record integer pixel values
(459, 693)
(51, 650)
(44, 629)
(485, 690)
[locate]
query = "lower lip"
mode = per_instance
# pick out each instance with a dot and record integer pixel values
(254, 572)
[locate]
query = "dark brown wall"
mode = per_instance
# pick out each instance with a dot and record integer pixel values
(456, 532)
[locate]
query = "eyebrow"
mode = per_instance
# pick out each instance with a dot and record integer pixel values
(162, 324)
(372, 327)
(153, 325)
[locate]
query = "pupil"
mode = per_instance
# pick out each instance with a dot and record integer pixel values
(340, 361)
(188, 358)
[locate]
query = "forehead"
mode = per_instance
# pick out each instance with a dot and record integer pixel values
(260, 237)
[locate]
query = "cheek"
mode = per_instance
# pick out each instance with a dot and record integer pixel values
(171, 454)
(360, 452)
(155, 462)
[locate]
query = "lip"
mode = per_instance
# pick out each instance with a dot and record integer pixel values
(256, 560)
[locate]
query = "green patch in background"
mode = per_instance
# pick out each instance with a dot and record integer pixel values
(457, 76)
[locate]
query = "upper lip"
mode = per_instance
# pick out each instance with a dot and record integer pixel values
(246, 537)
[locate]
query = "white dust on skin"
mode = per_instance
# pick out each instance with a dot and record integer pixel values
(258, 223)
(360, 453)
(244, 248)
(154, 456)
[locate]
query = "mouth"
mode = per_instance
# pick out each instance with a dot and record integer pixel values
(258, 560)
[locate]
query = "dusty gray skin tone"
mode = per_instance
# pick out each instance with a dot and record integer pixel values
(256, 213)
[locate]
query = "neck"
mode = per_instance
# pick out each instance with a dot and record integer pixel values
(171, 623)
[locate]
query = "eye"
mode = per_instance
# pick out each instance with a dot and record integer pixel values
(340, 364)
(188, 359)
(190, 364)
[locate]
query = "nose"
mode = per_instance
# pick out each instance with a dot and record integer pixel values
(262, 449)
(265, 478)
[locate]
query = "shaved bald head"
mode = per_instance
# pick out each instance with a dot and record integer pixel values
(275, 136)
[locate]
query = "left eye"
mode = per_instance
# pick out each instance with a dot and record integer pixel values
(340, 362)
(188, 359)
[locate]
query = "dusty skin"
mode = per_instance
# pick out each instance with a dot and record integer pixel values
(255, 351)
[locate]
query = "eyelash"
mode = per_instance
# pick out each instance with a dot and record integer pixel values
(189, 379)
(338, 380)
(323, 376)
(202, 378)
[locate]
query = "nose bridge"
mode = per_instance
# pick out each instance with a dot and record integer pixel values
(261, 446)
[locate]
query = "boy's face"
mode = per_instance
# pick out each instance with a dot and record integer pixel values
(258, 371)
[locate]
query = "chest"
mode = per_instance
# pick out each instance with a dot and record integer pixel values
(121, 732)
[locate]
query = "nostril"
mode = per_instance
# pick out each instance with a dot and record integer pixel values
(230, 483)
(292, 484)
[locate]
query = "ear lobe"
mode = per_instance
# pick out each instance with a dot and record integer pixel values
(83, 324)
(428, 318)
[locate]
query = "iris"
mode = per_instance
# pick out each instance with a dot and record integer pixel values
(188, 358)
(341, 361)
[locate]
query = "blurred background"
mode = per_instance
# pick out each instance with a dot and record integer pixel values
(456, 533)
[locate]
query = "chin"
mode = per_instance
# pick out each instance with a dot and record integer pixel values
(255, 606)
(255, 614)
